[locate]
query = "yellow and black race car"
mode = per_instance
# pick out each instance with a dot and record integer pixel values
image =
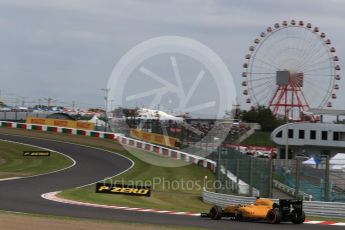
(261, 209)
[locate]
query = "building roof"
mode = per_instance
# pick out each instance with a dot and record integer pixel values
(334, 112)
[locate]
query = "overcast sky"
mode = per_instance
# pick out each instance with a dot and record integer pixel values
(66, 49)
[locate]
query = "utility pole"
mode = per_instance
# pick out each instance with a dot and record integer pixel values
(1, 102)
(106, 90)
(23, 101)
(111, 105)
(16, 103)
(48, 101)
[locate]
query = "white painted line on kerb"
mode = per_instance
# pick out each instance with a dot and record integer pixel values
(52, 197)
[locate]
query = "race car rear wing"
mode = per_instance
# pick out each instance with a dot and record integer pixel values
(287, 205)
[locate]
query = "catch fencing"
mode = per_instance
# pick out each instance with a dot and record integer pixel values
(271, 177)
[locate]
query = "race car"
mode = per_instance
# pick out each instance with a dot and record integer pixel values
(262, 209)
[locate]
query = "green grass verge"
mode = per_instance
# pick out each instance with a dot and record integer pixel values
(173, 188)
(14, 164)
(64, 222)
(259, 138)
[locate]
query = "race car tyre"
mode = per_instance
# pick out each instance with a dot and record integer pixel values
(274, 216)
(275, 205)
(216, 212)
(238, 217)
(297, 219)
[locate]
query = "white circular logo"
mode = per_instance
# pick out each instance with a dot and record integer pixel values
(151, 75)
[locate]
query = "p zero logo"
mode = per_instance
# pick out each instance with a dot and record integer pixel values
(36, 153)
(123, 189)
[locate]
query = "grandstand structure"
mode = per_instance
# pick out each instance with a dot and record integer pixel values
(188, 130)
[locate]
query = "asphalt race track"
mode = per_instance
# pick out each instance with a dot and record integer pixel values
(24, 195)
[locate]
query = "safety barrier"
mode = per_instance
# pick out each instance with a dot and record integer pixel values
(312, 208)
(179, 155)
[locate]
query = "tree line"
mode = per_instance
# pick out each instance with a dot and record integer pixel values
(263, 116)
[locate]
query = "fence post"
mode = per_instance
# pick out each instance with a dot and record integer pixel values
(238, 176)
(298, 177)
(270, 178)
(225, 178)
(326, 187)
(251, 177)
(218, 175)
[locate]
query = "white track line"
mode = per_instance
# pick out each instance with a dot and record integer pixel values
(52, 196)
(42, 174)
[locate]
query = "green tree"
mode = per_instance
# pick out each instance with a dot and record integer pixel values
(263, 116)
(250, 116)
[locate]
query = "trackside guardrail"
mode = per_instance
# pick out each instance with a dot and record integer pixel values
(312, 208)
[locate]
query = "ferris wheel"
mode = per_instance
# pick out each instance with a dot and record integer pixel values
(290, 68)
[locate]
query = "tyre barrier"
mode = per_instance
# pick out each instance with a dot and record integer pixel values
(311, 208)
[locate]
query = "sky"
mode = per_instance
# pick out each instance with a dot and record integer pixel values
(66, 50)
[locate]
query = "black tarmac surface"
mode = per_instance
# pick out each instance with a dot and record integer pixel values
(24, 195)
